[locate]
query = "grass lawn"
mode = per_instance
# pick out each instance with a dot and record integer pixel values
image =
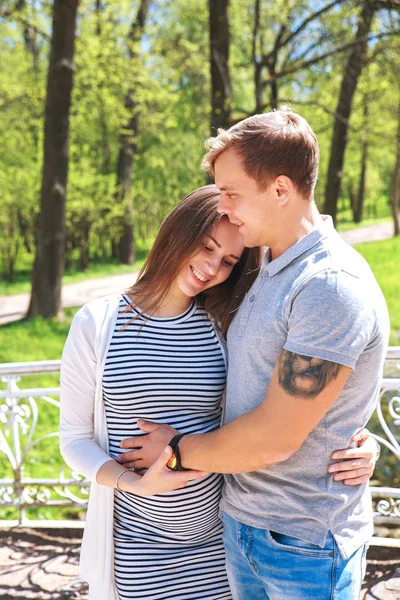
(25, 341)
(39, 339)
(348, 225)
(383, 257)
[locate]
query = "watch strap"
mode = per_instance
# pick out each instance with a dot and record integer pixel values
(174, 462)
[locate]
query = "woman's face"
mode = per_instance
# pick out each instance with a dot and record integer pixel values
(213, 262)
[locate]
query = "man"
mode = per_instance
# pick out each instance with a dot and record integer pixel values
(306, 351)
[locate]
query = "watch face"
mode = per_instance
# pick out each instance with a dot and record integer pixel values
(172, 463)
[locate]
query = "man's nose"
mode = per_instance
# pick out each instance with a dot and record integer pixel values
(223, 205)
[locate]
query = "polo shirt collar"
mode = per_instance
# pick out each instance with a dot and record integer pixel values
(272, 267)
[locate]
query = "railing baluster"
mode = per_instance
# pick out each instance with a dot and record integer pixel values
(19, 417)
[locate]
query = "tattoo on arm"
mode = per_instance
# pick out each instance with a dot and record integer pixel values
(305, 376)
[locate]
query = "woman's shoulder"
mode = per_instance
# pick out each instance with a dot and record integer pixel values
(98, 309)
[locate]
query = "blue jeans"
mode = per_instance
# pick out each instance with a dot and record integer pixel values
(264, 565)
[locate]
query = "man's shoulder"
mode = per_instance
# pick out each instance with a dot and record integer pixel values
(339, 295)
(336, 266)
(341, 288)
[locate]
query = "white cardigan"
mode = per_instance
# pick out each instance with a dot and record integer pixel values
(84, 435)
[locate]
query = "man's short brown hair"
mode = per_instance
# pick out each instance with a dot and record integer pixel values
(279, 142)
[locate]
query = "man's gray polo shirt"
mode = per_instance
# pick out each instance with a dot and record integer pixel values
(318, 299)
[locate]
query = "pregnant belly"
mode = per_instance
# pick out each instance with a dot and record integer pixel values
(189, 513)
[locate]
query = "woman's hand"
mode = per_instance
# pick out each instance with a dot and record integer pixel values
(355, 465)
(146, 449)
(158, 479)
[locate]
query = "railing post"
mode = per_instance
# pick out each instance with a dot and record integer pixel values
(13, 401)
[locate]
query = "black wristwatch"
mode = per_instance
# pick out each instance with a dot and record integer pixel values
(174, 462)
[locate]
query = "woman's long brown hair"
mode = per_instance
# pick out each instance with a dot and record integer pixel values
(179, 238)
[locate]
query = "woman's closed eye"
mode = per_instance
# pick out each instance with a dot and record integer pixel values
(228, 263)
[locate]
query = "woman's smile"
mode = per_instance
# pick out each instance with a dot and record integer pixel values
(201, 278)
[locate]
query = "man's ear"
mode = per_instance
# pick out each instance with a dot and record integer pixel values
(284, 188)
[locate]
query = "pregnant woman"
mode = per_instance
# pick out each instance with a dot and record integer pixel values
(154, 353)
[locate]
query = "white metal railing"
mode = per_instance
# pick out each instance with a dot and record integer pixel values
(20, 410)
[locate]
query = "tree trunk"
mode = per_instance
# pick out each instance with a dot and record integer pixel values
(25, 231)
(352, 73)
(363, 174)
(31, 45)
(395, 193)
(258, 89)
(49, 258)
(353, 200)
(105, 146)
(274, 95)
(32, 48)
(9, 246)
(271, 64)
(257, 63)
(221, 89)
(124, 245)
(84, 244)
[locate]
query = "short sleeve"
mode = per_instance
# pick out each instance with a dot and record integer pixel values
(330, 317)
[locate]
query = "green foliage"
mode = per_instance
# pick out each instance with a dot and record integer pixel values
(21, 105)
(169, 75)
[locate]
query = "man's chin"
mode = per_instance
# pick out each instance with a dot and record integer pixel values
(248, 243)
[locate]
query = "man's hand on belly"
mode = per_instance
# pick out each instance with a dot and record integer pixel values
(146, 449)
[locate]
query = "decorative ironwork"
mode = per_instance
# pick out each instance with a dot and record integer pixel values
(386, 500)
(386, 503)
(20, 411)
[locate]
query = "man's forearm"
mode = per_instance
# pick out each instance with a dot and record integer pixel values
(238, 447)
(269, 434)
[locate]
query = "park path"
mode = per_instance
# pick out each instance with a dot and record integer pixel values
(42, 564)
(13, 308)
(372, 233)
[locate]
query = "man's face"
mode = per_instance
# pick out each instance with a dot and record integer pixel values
(252, 210)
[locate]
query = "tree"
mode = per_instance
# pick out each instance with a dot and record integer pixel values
(395, 192)
(124, 245)
(189, 67)
(221, 88)
(352, 73)
(355, 64)
(23, 69)
(50, 243)
(358, 198)
(286, 39)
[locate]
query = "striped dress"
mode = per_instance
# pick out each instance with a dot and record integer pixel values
(166, 370)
